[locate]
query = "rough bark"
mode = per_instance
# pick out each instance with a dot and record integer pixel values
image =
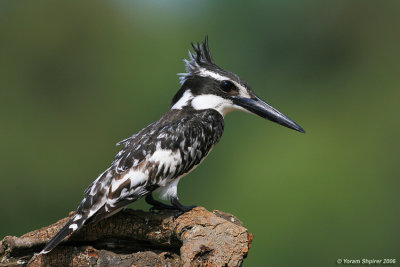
(137, 238)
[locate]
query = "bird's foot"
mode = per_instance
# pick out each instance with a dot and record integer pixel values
(182, 209)
(157, 205)
(187, 208)
(180, 212)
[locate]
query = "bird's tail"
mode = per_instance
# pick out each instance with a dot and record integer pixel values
(73, 225)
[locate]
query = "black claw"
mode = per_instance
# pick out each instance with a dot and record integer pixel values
(182, 209)
(189, 208)
(180, 212)
(176, 205)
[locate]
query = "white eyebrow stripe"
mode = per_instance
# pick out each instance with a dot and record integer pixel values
(206, 73)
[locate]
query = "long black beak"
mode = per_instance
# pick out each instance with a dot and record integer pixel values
(259, 107)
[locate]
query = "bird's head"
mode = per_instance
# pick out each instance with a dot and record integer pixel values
(207, 86)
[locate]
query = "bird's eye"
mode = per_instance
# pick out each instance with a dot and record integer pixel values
(227, 86)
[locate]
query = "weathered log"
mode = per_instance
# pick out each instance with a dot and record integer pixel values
(137, 238)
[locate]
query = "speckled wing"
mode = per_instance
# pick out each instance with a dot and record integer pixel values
(152, 158)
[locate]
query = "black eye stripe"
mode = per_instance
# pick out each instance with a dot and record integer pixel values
(227, 86)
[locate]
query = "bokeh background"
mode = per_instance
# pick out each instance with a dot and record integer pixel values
(77, 77)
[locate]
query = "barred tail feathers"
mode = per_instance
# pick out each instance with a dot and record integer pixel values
(73, 225)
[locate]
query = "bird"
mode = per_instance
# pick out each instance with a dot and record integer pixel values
(155, 159)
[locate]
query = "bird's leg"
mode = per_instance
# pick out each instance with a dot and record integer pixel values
(157, 205)
(182, 209)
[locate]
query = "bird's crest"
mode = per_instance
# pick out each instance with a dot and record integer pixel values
(200, 58)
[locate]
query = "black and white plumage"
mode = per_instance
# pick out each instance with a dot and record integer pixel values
(158, 156)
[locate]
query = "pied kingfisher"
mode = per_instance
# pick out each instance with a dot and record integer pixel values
(158, 156)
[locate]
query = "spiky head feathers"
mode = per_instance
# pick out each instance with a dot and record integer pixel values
(200, 57)
(201, 63)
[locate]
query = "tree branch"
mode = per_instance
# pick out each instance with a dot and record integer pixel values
(196, 238)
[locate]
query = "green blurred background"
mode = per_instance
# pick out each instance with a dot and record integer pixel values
(77, 77)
